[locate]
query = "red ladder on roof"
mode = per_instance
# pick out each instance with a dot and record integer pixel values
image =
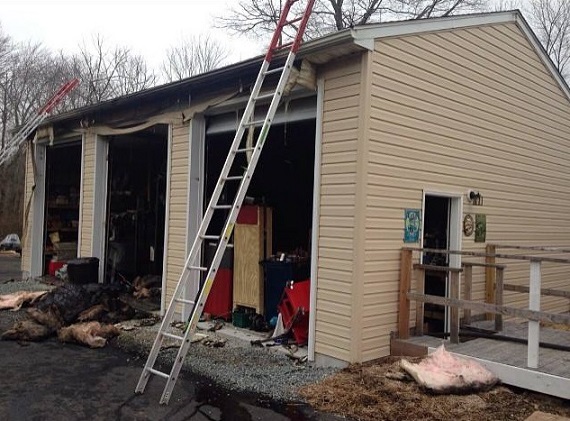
(13, 145)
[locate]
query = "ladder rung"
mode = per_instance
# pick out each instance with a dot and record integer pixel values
(173, 336)
(283, 46)
(222, 207)
(242, 150)
(265, 96)
(159, 373)
(253, 123)
(289, 22)
(276, 70)
(234, 178)
(210, 237)
(200, 268)
(184, 301)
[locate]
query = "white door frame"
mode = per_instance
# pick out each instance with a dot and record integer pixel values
(38, 211)
(455, 233)
(99, 237)
(195, 211)
(455, 217)
(311, 342)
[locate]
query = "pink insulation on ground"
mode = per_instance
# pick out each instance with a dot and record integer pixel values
(442, 372)
(16, 300)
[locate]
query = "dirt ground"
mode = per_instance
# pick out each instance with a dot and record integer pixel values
(364, 392)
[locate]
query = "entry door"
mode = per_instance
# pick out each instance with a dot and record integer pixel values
(441, 228)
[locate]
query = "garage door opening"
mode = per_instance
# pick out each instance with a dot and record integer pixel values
(272, 237)
(63, 184)
(136, 205)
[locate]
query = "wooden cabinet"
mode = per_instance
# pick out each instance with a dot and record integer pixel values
(252, 245)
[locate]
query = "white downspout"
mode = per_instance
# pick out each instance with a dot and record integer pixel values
(315, 221)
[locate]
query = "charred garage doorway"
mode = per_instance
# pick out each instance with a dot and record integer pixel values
(63, 184)
(272, 236)
(136, 204)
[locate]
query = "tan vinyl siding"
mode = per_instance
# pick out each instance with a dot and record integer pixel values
(336, 271)
(455, 110)
(26, 264)
(176, 220)
(87, 194)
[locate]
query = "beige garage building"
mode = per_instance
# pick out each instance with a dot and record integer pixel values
(400, 119)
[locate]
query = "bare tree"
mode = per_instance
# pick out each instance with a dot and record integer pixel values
(550, 20)
(106, 73)
(28, 79)
(500, 5)
(195, 55)
(5, 50)
(259, 17)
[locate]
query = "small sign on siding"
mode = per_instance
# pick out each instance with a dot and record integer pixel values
(412, 225)
(480, 228)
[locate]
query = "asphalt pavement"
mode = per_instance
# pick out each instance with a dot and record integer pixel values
(54, 381)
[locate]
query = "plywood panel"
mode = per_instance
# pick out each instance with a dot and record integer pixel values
(252, 245)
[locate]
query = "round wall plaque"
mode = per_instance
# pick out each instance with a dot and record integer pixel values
(468, 225)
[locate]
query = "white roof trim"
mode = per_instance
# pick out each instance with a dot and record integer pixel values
(410, 27)
(364, 36)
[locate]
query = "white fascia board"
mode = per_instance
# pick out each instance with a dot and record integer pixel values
(363, 34)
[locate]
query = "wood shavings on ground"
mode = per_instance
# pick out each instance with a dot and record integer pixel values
(369, 392)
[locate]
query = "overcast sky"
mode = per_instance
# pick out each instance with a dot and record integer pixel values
(147, 27)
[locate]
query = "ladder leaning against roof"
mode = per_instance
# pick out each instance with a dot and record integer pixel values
(30, 125)
(253, 152)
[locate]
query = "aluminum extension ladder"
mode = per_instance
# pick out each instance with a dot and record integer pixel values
(253, 152)
(30, 125)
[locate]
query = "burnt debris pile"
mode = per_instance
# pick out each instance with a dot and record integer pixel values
(81, 313)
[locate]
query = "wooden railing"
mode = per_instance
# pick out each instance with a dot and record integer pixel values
(454, 303)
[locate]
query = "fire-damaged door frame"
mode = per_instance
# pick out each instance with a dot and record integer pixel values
(101, 194)
(196, 194)
(38, 201)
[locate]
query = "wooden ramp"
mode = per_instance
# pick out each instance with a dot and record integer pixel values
(508, 359)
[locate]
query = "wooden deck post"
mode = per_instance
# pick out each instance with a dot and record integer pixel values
(454, 310)
(420, 289)
(490, 277)
(468, 284)
(533, 304)
(499, 297)
(404, 301)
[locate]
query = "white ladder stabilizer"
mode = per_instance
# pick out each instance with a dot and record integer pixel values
(253, 152)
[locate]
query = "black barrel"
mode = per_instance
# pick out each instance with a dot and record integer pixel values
(84, 270)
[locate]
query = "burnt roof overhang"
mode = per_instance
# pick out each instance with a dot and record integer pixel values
(226, 78)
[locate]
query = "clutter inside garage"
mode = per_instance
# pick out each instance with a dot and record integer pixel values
(266, 272)
(63, 183)
(136, 207)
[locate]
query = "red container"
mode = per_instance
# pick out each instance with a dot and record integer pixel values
(53, 266)
(294, 309)
(219, 302)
